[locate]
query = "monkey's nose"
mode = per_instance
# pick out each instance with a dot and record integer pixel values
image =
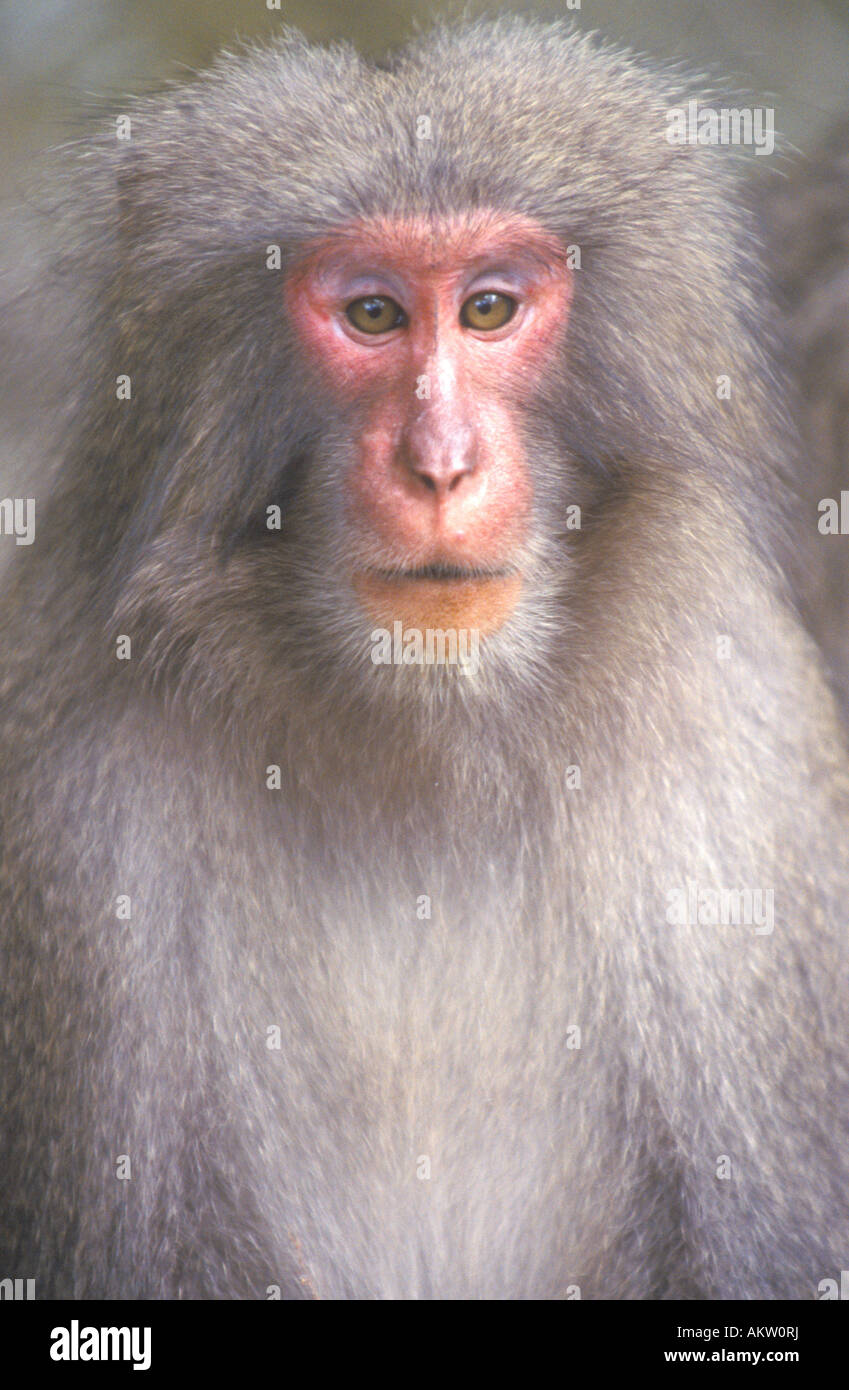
(441, 464)
(442, 478)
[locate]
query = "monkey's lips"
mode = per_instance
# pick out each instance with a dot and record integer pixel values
(440, 596)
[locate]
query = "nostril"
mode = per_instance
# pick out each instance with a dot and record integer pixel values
(442, 471)
(442, 481)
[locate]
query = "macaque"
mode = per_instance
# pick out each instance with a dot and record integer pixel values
(425, 815)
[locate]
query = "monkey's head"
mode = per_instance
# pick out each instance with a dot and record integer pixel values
(400, 347)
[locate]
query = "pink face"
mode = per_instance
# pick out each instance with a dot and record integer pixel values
(430, 334)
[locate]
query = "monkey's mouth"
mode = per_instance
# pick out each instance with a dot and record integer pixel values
(440, 596)
(444, 574)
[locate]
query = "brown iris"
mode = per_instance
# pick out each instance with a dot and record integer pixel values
(375, 313)
(488, 310)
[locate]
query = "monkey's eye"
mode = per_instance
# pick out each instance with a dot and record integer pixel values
(488, 310)
(375, 313)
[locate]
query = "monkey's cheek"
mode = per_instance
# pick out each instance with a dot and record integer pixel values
(481, 605)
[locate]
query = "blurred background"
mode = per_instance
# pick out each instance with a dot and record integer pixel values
(59, 56)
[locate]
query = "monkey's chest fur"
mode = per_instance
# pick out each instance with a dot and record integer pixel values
(444, 1044)
(413, 1059)
(409, 1070)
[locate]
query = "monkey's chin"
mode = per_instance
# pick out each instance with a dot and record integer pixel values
(433, 600)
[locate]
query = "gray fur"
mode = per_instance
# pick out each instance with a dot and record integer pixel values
(551, 1167)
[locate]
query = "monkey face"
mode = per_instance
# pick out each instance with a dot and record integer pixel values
(429, 335)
